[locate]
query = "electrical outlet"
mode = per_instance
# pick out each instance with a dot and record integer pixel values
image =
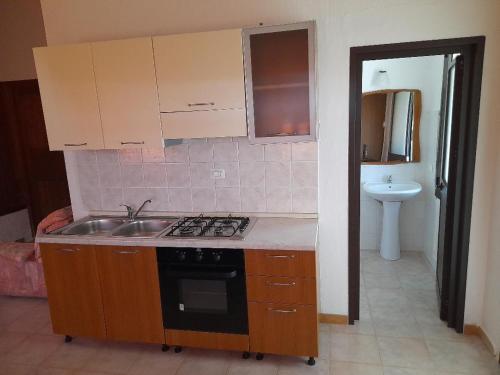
(218, 174)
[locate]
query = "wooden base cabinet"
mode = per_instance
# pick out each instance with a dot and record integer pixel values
(283, 329)
(281, 294)
(105, 292)
(73, 289)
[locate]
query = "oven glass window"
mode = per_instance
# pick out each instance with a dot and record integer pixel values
(203, 296)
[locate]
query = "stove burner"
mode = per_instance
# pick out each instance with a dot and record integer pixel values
(208, 227)
(186, 231)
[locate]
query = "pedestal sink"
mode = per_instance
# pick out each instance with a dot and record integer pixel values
(391, 195)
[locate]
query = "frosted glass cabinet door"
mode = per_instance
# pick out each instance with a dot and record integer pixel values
(280, 83)
(69, 98)
(128, 96)
(200, 71)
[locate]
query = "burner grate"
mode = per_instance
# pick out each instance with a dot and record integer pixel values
(201, 226)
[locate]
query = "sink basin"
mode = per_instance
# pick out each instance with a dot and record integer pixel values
(143, 228)
(391, 195)
(94, 226)
(392, 192)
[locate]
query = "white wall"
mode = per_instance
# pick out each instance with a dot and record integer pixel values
(418, 219)
(341, 24)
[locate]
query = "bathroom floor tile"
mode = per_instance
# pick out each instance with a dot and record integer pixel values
(404, 352)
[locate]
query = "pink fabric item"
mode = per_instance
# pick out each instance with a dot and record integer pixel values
(21, 270)
(20, 276)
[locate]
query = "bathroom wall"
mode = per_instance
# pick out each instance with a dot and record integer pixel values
(279, 178)
(418, 216)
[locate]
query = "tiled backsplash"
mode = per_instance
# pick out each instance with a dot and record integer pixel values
(279, 178)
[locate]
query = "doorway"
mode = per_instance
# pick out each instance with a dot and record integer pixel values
(455, 219)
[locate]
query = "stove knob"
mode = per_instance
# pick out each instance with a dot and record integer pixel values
(181, 255)
(198, 256)
(217, 256)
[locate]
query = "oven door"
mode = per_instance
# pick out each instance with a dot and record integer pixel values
(207, 299)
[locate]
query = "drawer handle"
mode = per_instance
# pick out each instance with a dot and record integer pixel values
(67, 250)
(281, 256)
(75, 144)
(282, 311)
(132, 143)
(200, 104)
(126, 251)
(280, 284)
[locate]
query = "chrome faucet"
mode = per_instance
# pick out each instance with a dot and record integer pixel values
(130, 211)
(389, 179)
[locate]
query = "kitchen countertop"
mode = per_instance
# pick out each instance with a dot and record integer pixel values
(268, 234)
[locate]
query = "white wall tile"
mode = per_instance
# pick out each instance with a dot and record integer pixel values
(278, 199)
(278, 174)
(278, 152)
(252, 174)
(228, 199)
(201, 152)
(177, 154)
(155, 175)
(203, 199)
(304, 174)
(201, 175)
(231, 171)
(226, 151)
(153, 155)
(180, 200)
(131, 175)
(305, 151)
(178, 175)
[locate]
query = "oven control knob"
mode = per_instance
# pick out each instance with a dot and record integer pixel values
(198, 256)
(181, 255)
(217, 256)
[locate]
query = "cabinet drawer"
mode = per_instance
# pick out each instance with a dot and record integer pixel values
(281, 289)
(280, 263)
(283, 329)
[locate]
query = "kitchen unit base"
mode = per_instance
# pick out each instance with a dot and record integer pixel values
(207, 340)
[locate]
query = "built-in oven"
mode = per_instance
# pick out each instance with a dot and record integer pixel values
(203, 289)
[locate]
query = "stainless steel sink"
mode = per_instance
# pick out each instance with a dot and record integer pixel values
(94, 226)
(143, 228)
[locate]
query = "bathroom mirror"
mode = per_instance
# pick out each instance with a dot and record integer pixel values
(390, 121)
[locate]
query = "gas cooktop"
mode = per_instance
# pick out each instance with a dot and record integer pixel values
(233, 227)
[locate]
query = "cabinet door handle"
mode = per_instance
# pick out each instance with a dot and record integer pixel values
(75, 144)
(200, 104)
(268, 283)
(132, 143)
(282, 311)
(68, 250)
(281, 256)
(126, 251)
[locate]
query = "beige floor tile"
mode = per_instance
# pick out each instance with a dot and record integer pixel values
(406, 371)
(252, 367)
(392, 328)
(354, 348)
(360, 327)
(31, 321)
(346, 368)
(114, 358)
(381, 280)
(204, 362)
(153, 361)
(12, 369)
(424, 280)
(54, 371)
(74, 355)
(404, 352)
(378, 265)
(439, 330)
(10, 340)
(325, 344)
(297, 366)
(383, 298)
(467, 357)
(422, 299)
(33, 350)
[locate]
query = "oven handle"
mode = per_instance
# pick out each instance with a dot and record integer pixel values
(202, 275)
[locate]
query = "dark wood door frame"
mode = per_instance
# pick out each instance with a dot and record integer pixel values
(473, 50)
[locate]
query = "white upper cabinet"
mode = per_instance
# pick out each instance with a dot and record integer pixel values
(200, 71)
(69, 98)
(127, 91)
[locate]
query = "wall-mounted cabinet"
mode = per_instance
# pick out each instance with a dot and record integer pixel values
(69, 98)
(127, 92)
(280, 83)
(202, 73)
